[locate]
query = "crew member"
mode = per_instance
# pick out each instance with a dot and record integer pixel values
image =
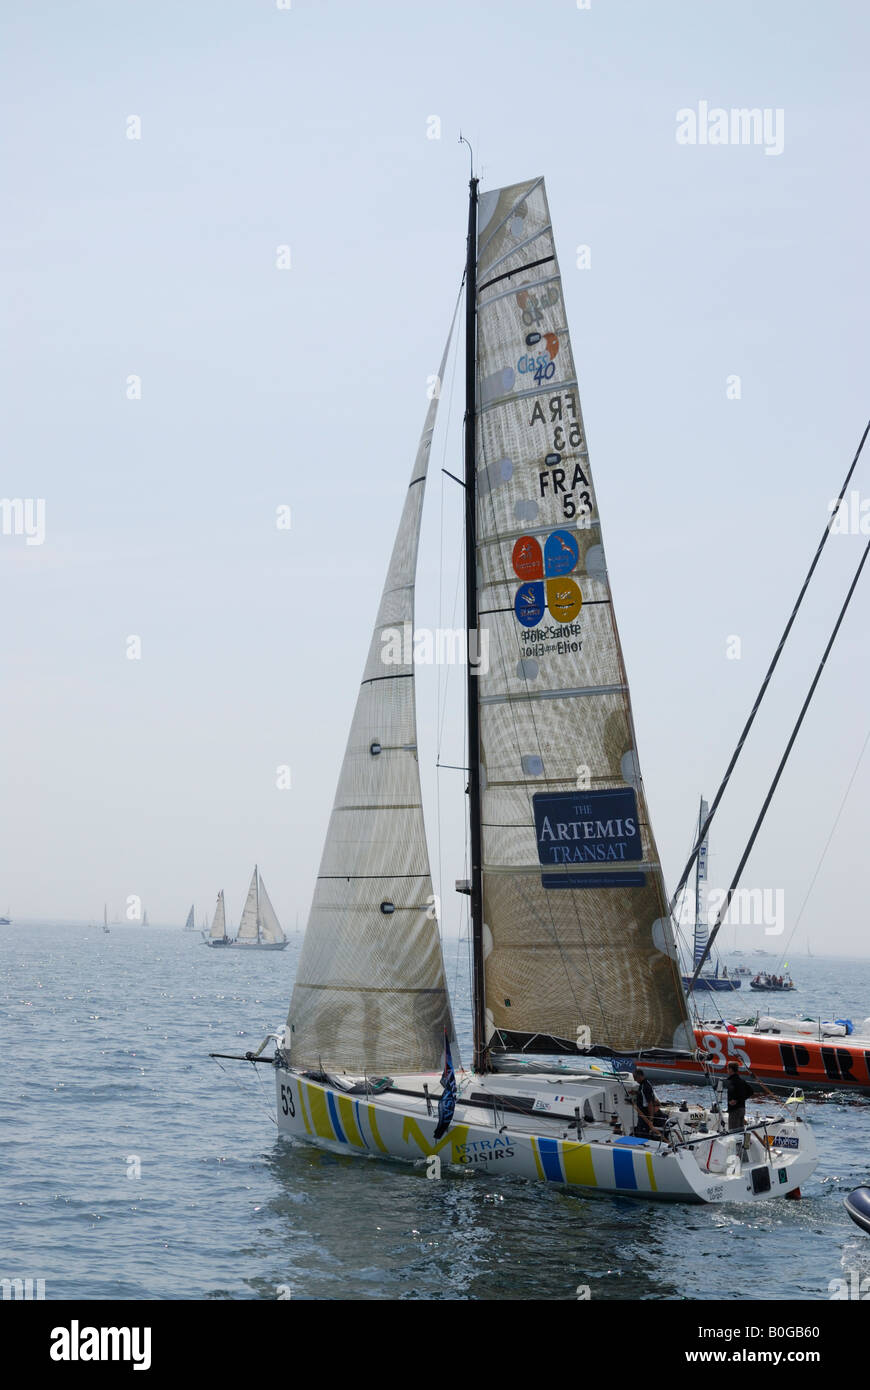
(647, 1105)
(738, 1092)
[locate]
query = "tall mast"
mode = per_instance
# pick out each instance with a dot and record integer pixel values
(478, 1006)
(698, 890)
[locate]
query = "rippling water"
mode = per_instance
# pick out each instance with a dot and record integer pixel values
(105, 1062)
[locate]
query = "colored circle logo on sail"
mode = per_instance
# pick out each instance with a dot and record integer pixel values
(545, 574)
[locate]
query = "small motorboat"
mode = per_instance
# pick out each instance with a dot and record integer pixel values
(857, 1205)
(773, 984)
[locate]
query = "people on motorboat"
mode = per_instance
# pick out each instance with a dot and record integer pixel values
(765, 981)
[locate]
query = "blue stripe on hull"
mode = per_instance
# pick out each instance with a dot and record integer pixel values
(333, 1115)
(623, 1169)
(549, 1151)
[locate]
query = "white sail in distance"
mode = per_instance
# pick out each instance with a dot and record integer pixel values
(219, 924)
(248, 925)
(270, 928)
(189, 924)
(370, 992)
(576, 933)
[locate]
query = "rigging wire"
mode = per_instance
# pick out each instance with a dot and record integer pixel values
(245, 1092)
(441, 694)
(771, 668)
(723, 910)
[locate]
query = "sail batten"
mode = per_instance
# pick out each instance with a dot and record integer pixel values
(576, 934)
(371, 995)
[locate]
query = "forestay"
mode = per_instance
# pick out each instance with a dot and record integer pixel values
(370, 993)
(576, 930)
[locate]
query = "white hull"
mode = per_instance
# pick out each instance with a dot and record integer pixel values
(779, 1155)
(251, 945)
(260, 945)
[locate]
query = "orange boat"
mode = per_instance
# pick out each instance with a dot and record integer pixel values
(781, 1060)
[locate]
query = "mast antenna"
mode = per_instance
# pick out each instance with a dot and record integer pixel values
(463, 141)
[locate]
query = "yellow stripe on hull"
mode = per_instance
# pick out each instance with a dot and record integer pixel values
(373, 1125)
(319, 1113)
(537, 1159)
(651, 1173)
(348, 1122)
(304, 1108)
(577, 1162)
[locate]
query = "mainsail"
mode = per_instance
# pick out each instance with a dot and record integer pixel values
(250, 913)
(219, 925)
(576, 937)
(370, 992)
(190, 924)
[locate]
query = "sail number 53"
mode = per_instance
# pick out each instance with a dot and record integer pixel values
(287, 1106)
(715, 1055)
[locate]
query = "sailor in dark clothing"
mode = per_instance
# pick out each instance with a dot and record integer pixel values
(738, 1092)
(647, 1105)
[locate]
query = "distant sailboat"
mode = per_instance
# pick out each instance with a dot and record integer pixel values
(145, 919)
(7, 920)
(714, 982)
(190, 924)
(218, 934)
(259, 928)
(105, 919)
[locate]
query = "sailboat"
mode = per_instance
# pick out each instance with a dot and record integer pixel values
(106, 919)
(259, 929)
(572, 943)
(218, 934)
(190, 924)
(715, 982)
(145, 919)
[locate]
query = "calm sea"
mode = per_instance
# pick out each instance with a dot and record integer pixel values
(134, 1167)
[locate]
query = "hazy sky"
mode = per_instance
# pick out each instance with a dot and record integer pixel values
(155, 258)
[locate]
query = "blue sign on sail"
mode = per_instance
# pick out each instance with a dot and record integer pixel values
(587, 828)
